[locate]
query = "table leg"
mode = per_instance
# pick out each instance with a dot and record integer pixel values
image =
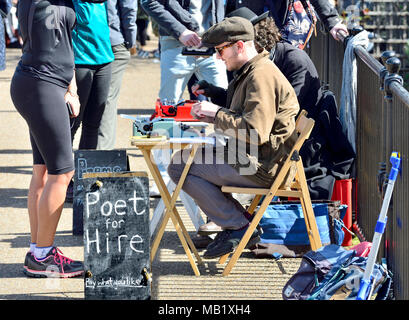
(175, 196)
(173, 201)
(170, 212)
(191, 208)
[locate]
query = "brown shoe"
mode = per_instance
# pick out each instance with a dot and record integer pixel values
(209, 228)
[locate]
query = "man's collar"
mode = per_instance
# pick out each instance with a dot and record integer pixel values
(249, 63)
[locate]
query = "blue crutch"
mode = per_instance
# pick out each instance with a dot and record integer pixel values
(365, 286)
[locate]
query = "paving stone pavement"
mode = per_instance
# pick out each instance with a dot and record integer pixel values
(173, 277)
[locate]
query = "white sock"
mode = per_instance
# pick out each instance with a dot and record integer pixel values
(32, 246)
(41, 252)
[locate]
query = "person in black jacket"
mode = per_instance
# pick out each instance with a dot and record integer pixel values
(278, 9)
(293, 62)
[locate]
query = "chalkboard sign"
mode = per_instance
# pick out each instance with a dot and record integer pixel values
(93, 161)
(116, 236)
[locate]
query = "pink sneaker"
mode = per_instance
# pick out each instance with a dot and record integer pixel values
(53, 265)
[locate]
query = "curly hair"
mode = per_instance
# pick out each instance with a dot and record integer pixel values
(267, 34)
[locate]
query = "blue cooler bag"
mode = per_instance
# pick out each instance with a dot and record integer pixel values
(283, 223)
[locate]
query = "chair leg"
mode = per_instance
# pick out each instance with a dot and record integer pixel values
(257, 217)
(310, 222)
(223, 259)
(254, 203)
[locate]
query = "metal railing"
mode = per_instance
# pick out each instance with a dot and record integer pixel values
(382, 127)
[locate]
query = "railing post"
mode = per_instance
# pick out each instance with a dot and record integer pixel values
(388, 74)
(382, 74)
(382, 165)
(392, 65)
(356, 29)
(352, 32)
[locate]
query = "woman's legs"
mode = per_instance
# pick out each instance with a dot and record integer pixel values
(46, 197)
(46, 201)
(42, 105)
(50, 206)
(37, 183)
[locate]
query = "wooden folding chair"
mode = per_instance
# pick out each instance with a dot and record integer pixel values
(292, 171)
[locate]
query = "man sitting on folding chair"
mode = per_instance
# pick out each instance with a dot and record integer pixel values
(259, 119)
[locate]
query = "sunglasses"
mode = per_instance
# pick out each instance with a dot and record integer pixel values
(220, 50)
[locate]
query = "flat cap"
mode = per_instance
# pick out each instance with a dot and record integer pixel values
(230, 29)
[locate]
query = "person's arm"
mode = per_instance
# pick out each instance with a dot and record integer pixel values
(218, 95)
(174, 19)
(182, 15)
(340, 27)
(128, 11)
(259, 110)
(330, 17)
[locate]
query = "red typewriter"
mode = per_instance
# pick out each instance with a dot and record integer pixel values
(178, 112)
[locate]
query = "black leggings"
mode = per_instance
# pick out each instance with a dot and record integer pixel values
(93, 82)
(42, 105)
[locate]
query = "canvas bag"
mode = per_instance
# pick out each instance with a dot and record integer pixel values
(283, 222)
(300, 23)
(284, 232)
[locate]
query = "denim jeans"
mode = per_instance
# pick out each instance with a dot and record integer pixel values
(177, 69)
(2, 46)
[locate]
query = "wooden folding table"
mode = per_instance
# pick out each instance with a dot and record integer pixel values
(146, 145)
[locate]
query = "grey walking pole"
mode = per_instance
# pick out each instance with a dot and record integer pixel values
(365, 286)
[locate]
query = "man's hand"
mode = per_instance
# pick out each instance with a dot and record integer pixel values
(209, 90)
(198, 90)
(190, 39)
(133, 51)
(204, 109)
(341, 28)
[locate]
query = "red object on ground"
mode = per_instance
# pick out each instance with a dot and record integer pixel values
(343, 193)
(179, 112)
(362, 249)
